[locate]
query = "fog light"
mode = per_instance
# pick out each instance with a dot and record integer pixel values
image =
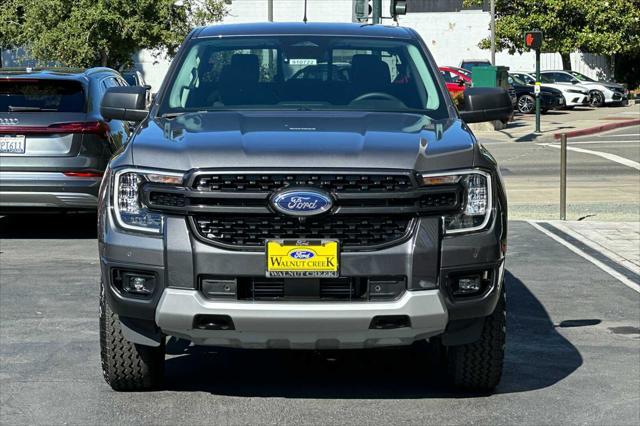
(470, 284)
(136, 283)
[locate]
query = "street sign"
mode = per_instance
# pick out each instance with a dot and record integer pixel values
(533, 39)
(536, 88)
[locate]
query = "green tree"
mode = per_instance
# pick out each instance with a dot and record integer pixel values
(83, 33)
(602, 27)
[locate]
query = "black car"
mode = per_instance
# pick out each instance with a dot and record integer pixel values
(54, 143)
(256, 210)
(550, 98)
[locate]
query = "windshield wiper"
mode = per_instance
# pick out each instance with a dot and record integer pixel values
(13, 108)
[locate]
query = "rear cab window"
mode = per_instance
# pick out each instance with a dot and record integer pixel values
(41, 95)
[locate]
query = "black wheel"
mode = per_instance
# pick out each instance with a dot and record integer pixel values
(478, 365)
(526, 104)
(544, 110)
(596, 98)
(127, 366)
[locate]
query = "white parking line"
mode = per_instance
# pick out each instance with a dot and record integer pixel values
(624, 280)
(594, 142)
(606, 155)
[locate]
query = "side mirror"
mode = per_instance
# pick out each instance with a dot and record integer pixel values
(126, 103)
(486, 104)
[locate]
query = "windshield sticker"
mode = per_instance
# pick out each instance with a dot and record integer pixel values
(301, 61)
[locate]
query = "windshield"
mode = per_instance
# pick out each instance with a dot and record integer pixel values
(580, 77)
(303, 73)
(516, 80)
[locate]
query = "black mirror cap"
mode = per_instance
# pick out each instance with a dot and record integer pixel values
(486, 104)
(127, 103)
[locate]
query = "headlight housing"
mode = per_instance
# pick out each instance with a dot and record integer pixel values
(129, 211)
(477, 200)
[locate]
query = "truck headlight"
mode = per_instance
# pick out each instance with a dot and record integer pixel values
(130, 212)
(476, 199)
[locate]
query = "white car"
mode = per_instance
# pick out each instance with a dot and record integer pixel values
(600, 92)
(574, 95)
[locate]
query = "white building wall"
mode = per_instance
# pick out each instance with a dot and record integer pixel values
(451, 37)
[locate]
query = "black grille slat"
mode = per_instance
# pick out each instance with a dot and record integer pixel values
(329, 182)
(351, 231)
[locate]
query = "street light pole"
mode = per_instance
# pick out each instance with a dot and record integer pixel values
(270, 10)
(377, 11)
(493, 32)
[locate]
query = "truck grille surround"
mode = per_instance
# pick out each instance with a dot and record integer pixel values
(371, 210)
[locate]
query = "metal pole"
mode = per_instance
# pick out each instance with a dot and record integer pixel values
(377, 11)
(493, 32)
(563, 176)
(537, 94)
(270, 10)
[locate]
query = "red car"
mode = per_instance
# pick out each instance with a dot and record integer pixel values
(457, 79)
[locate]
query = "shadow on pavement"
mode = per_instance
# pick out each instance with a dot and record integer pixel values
(49, 226)
(537, 357)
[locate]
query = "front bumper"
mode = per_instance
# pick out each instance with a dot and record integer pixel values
(177, 259)
(48, 190)
(302, 325)
(576, 99)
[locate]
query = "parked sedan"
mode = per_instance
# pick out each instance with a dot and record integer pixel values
(600, 92)
(54, 143)
(526, 104)
(456, 79)
(574, 95)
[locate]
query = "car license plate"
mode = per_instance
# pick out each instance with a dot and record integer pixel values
(12, 144)
(302, 258)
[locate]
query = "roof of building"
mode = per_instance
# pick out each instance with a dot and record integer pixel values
(300, 28)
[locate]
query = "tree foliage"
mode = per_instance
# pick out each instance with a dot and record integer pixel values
(606, 27)
(87, 33)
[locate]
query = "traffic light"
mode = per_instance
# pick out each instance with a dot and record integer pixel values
(533, 39)
(398, 7)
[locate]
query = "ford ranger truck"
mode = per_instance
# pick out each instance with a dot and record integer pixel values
(302, 186)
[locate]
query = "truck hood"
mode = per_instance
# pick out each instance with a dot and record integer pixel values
(307, 139)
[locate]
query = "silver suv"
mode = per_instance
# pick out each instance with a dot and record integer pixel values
(54, 143)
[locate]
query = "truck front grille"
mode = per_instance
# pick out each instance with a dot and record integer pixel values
(352, 231)
(330, 182)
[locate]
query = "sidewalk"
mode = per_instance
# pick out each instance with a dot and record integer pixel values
(521, 129)
(618, 241)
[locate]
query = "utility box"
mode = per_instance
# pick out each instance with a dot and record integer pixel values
(490, 76)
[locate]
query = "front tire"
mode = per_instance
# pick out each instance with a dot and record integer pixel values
(596, 98)
(478, 366)
(127, 366)
(526, 104)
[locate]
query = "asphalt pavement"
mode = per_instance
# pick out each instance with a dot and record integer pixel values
(603, 176)
(572, 356)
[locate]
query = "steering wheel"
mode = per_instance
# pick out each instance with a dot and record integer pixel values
(376, 95)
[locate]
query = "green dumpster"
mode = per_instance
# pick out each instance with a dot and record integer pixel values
(490, 76)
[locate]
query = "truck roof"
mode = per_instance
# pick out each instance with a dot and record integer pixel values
(300, 28)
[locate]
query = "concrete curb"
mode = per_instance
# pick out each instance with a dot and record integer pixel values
(598, 129)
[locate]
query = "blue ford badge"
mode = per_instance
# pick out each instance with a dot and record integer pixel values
(301, 254)
(302, 202)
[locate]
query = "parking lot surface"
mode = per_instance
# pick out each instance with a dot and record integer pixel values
(573, 351)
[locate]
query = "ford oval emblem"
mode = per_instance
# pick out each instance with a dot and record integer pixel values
(301, 254)
(302, 202)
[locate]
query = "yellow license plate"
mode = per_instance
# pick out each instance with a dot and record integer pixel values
(302, 258)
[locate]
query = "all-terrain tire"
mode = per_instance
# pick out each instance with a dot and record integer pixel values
(127, 366)
(478, 366)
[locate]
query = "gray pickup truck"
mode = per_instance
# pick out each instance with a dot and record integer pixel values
(346, 206)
